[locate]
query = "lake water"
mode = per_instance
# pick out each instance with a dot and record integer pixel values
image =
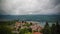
(39, 18)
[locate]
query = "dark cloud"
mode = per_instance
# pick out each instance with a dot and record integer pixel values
(19, 7)
(57, 2)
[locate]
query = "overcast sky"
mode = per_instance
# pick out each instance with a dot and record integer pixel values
(27, 7)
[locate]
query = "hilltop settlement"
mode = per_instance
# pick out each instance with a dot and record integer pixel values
(28, 28)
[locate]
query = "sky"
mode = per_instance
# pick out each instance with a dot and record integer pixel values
(29, 7)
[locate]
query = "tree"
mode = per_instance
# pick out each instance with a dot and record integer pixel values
(53, 29)
(30, 30)
(5, 30)
(46, 29)
(57, 29)
(23, 31)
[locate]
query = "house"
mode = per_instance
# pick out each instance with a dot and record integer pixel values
(36, 27)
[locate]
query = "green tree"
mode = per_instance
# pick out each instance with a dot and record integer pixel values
(5, 30)
(30, 30)
(23, 31)
(53, 29)
(57, 29)
(46, 29)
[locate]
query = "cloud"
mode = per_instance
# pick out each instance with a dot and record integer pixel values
(25, 7)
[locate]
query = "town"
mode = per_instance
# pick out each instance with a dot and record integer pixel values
(33, 28)
(29, 27)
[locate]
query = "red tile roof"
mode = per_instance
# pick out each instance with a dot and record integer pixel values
(37, 33)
